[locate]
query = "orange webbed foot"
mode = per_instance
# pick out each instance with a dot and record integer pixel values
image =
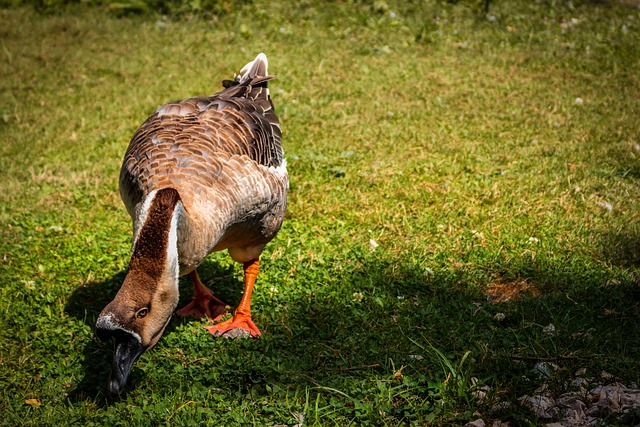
(204, 306)
(204, 303)
(240, 325)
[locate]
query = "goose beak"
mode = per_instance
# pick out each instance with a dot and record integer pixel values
(128, 349)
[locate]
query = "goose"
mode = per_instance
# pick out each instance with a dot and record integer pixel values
(200, 175)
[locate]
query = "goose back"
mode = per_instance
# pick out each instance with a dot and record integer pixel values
(223, 155)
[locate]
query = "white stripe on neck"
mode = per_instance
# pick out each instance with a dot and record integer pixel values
(172, 261)
(141, 217)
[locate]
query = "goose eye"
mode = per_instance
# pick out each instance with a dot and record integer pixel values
(140, 314)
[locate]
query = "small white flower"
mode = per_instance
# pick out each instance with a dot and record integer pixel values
(373, 244)
(579, 101)
(29, 284)
(533, 240)
(358, 296)
(273, 290)
(499, 317)
(606, 206)
(550, 329)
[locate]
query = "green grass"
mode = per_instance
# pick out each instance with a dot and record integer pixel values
(451, 139)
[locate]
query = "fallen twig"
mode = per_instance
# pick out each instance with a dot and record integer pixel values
(544, 359)
(355, 368)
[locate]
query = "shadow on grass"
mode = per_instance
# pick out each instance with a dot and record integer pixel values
(350, 322)
(87, 302)
(623, 248)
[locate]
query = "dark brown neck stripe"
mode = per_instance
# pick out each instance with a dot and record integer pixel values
(150, 251)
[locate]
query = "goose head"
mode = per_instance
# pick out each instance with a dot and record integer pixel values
(142, 308)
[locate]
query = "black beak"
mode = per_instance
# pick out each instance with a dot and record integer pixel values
(128, 349)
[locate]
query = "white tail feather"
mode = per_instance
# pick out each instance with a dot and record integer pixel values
(254, 68)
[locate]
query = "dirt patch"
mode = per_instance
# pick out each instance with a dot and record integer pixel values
(501, 291)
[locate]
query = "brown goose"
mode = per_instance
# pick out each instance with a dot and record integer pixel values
(200, 175)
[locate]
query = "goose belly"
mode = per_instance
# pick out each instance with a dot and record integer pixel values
(242, 215)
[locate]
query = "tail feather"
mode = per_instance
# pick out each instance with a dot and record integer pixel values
(253, 76)
(256, 68)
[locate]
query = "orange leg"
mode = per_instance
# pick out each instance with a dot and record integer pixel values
(241, 320)
(204, 303)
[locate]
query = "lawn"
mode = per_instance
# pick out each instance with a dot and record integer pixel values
(459, 182)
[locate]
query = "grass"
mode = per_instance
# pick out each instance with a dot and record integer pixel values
(494, 160)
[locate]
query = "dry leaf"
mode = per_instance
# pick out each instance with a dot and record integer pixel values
(33, 402)
(397, 375)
